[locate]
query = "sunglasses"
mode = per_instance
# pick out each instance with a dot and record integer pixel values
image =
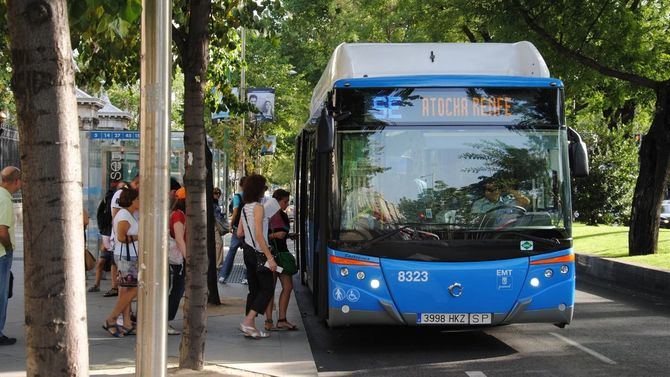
(491, 189)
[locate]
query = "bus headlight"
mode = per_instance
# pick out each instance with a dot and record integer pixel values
(548, 273)
(535, 282)
(374, 283)
(360, 275)
(564, 269)
(344, 271)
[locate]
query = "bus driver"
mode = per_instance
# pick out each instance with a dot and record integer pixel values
(493, 199)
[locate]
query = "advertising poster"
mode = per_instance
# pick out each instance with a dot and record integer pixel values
(223, 115)
(264, 99)
(269, 145)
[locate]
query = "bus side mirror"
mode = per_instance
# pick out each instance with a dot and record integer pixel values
(325, 133)
(578, 155)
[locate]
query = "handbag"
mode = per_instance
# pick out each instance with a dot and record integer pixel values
(287, 261)
(174, 254)
(89, 260)
(261, 259)
(127, 267)
(222, 227)
(284, 257)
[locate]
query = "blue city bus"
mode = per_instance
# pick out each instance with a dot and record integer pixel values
(433, 188)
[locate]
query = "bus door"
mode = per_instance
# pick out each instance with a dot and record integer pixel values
(298, 222)
(309, 210)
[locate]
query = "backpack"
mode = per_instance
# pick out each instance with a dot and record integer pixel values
(104, 214)
(236, 219)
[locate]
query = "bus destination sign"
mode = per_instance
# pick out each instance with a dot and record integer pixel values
(388, 107)
(439, 106)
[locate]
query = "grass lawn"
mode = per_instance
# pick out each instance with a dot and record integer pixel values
(612, 242)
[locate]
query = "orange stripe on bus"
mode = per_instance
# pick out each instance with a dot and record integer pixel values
(354, 262)
(564, 258)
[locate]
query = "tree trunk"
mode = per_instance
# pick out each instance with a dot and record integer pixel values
(194, 65)
(212, 282)
(55, 290)
(652, 181)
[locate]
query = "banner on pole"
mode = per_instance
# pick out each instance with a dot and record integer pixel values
(264, 99)
(223, 115)
(269, 145)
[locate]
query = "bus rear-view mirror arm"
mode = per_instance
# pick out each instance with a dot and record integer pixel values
(578, 154)
(325, 132)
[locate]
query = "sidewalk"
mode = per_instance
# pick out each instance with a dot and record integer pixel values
(227, 351)
(611, 272)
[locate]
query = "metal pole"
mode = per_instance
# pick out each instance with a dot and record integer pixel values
(243, 97)
(154, 183)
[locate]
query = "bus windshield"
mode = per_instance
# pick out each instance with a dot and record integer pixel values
(453, 185)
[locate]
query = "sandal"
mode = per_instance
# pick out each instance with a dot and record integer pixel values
(128, 331)
(250, 331)
(111, 293)
(116, 333)
(261, 334)
(269, 325)
(287, 325)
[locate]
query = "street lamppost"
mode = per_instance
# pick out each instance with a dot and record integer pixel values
(154, 148)
(243, 97)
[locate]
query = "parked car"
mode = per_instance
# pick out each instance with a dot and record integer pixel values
(665, 214)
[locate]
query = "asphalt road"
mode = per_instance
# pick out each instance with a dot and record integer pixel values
(613, 333)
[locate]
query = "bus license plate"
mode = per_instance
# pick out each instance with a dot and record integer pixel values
(454, 318)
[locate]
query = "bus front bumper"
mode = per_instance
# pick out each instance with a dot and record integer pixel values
(558, 316)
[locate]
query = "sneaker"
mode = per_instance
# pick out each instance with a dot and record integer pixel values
(5, 341)
(244, 281)
(222, 280)
(94, 288)
(172, 331)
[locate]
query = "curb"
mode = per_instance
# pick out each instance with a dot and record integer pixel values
(209, 370)
(651, 281)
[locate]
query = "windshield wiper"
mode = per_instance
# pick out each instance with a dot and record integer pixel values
(410, 227)
(386, 235)
(547, 241)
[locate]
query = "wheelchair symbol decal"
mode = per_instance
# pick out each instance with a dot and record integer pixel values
(353, 295)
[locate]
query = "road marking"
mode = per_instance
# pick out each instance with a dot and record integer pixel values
(475, 373)
(591, 352)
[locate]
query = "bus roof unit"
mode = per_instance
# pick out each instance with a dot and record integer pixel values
(357, 60)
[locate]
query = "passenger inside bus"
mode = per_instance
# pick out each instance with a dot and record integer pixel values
(366, 211)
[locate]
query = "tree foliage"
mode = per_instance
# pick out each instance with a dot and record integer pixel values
(605, 196)
(620, 49)
(611, 55)
(292, 93)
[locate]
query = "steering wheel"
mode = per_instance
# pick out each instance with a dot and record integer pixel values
(509, 206)
(359, 235)
(486, 217)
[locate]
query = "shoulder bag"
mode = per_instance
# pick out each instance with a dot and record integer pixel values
(261, 259)
(89, 260)
(284, 257)
(127, 266)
